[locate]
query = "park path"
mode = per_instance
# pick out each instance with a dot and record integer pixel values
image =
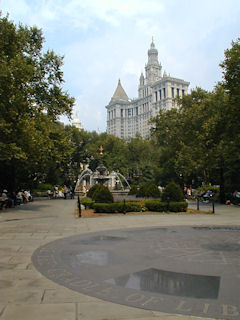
(26, 294)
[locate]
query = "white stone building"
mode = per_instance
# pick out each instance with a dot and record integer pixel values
(126, 117)
(76, 122)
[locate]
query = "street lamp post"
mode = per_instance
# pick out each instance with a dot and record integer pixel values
(182, 177)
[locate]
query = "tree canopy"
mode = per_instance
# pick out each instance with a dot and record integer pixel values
(32, 99)
(199, 142)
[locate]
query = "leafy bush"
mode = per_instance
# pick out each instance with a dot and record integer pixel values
(148, 189)
(141, 191)
(173, 193)
(87, 203)
(130, 207)
(152, 191)
(102, 195)
(44, 187)
(133, 189)
(105, 207)
(178, 206)
(117, 207)
(156, 205)
(151, 205)
(92, 190)
(206, 188)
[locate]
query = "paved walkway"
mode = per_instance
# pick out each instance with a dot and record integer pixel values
(27, 294)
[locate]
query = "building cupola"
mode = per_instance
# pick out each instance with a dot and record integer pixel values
(153, 68)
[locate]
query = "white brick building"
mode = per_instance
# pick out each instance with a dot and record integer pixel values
(126, 117)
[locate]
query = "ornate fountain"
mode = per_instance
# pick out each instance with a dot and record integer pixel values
(102, 176)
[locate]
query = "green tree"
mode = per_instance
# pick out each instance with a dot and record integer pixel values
(32, 99)
(189, 138)
(231, 83)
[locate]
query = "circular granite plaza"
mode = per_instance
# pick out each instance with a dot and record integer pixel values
(181, 270)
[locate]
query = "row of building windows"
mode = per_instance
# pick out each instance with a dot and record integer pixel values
(161, 94)
(129, 113)
(178, 92)
(112, 114)
(145, 92)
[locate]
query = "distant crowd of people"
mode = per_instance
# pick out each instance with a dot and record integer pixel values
(11, 199)
(57, 193)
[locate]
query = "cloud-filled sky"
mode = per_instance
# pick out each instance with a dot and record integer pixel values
(104, 40)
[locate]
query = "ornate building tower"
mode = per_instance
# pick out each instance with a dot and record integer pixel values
(126, 117)
(153, 69)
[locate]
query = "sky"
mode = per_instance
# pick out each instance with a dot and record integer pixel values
(106, 40)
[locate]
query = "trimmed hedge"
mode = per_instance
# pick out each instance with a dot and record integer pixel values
(131, 207)
(105, 207)
(178, 206)
(151, 205)
(87, 203)
(116, 207)
(158, 206)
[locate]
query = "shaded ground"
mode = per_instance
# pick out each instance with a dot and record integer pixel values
(27, 294)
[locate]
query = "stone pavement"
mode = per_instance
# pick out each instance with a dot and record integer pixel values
(26, 294)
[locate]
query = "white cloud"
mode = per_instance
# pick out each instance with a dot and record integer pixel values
(81, 13)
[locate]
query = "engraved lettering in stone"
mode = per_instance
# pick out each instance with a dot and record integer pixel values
(107, 291)
(135, 297)
(180, 307)
(205, 308)
(229, 310)
(83, 284)
(152, 300)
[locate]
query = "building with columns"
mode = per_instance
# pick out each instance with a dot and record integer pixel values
(128, 117)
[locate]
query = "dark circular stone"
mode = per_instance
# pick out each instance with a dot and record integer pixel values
(181, 270)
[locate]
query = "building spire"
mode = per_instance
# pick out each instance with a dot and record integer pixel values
(119, 93)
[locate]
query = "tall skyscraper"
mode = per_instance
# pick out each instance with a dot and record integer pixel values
(128, 117)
